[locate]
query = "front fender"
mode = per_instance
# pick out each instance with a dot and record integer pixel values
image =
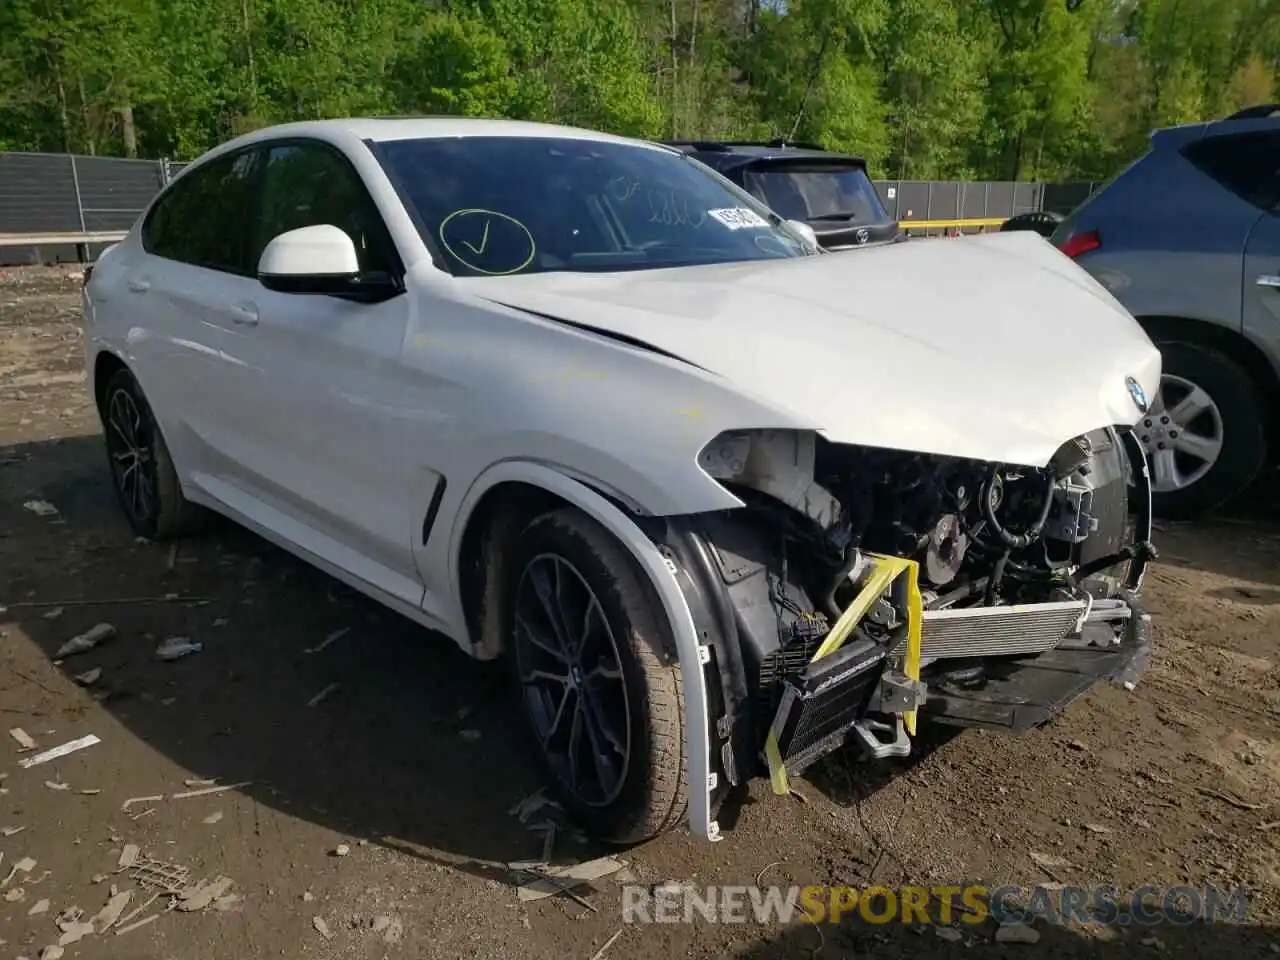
(675, 606)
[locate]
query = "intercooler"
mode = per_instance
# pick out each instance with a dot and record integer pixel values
(820, 704)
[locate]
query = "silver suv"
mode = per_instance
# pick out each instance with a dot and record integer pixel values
(1188, 239)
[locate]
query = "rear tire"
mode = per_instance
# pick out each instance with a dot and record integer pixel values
(142, 471)
(1238, 416)
(588, 651)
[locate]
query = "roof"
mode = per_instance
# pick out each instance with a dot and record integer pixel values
(384, 129)
(1262, 117)
(1261, 111)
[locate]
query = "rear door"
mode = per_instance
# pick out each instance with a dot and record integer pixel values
(183, 289)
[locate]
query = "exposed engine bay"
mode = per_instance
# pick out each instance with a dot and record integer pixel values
(1015, 574)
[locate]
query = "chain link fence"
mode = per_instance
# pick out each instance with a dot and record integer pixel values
(58, 207)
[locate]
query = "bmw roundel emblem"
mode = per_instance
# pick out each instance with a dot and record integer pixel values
(1137, 393)
(863, 235)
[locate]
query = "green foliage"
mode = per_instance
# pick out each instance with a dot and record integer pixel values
(456, 66)
(921, 88)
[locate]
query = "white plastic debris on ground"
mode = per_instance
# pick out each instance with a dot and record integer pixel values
(175, 648)
(86, 641)
(204, 895)
(22, 738)
(546, 880)
(58, 752)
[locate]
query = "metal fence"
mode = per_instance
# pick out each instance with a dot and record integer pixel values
(64, 207)
(935, 200)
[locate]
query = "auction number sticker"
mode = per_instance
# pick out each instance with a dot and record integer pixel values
(739, 218)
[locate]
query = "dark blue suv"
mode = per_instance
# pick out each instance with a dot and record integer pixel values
(1187, 238)
(831, 192)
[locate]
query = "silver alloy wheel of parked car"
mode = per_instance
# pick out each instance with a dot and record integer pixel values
(1182, 434)
(571, 672)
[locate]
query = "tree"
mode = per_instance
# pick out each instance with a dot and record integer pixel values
(921, 88)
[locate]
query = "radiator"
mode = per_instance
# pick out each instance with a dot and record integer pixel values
(1001, 631)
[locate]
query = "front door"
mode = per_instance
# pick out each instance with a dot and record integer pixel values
(327, 455)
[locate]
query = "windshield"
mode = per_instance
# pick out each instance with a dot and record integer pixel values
(496, 206)
(835, 193)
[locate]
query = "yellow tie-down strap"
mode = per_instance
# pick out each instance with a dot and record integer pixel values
(885, 570)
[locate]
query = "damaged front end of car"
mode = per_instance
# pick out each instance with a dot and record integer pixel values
(859, 588)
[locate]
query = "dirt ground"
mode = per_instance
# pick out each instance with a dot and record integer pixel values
(388, 741)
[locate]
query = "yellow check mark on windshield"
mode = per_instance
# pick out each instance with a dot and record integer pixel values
(484, 241)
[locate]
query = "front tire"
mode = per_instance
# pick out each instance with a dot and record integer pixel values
(142, 471)
(588, 647)
(1206, 434)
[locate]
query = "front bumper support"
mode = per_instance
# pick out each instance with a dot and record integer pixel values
(1018, 694)
(855, 693)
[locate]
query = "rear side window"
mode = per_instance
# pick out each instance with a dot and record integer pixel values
(1247, 164)
(201, 219)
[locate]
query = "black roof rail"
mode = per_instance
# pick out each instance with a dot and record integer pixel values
(724, 146)
(705, 145)
(777, 143)
(798, 144)
(1259, 112)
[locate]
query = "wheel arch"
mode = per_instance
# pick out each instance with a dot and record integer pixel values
(1232, 344)
(1223, 339)
(105, 366)
(511, 493)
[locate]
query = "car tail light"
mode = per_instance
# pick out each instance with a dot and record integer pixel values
(1081, 243)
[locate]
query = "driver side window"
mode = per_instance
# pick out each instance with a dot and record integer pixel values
(306, 184)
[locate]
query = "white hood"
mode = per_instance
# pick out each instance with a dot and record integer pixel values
(995, 348)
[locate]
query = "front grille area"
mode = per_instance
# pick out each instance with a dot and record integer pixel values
(1001, 631)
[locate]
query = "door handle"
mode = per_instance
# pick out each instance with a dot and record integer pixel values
(139, 286)
(245, 314)
(1269, 280)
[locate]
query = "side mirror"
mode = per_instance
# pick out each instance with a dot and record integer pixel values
(320, 259)
(803, 229)
(317, 259)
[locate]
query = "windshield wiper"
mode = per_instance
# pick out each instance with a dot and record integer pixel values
(848, 215)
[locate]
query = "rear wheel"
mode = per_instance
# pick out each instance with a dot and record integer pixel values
(588, 646)
(1205, 435)
(145, 480)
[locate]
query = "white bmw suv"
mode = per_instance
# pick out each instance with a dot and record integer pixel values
(724, 502)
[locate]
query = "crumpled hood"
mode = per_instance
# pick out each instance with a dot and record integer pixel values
(995, 347)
